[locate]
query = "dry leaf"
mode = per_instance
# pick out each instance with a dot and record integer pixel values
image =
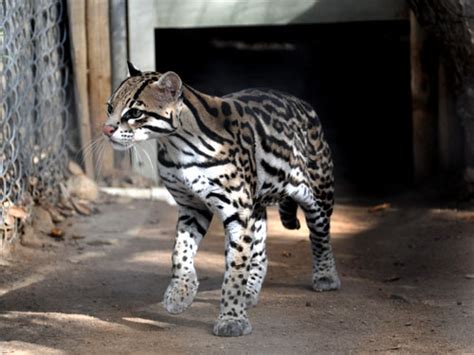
(81, 208)
(66, 212)
(65, 203)
(65, 207)
(378, 208)
(396, 347)
(55, 214)
(399, 298)
(392, 279)
(57, 233)
(8, 220)
(18, 212)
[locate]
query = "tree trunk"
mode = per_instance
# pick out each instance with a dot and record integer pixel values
(452, 24)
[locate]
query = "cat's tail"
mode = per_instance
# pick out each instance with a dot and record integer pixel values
(288, 208)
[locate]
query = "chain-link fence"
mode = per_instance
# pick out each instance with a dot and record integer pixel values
(33, 105)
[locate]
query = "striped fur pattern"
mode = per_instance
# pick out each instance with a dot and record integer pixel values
(231, 157)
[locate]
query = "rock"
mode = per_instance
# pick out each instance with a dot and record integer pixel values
(32, 236)
(83, 187)
(42, 220)
(74, 168)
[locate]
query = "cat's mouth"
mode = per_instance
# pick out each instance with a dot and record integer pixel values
(120, 146)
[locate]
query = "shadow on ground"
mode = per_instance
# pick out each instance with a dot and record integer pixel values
(406, 273)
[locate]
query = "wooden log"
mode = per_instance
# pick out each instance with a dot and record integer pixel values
(452, 23)
(119, 41)
(423, 119)
(77, 28)
(119, 47)
(98, 55)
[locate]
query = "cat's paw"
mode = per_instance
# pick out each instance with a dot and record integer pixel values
(180, 294)
(291, 224)
(326, 282)
(251, 300)
(232, 327)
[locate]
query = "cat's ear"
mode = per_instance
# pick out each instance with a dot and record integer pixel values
(133, 70)
(170, 83)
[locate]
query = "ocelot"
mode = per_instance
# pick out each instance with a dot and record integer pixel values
(231, 157)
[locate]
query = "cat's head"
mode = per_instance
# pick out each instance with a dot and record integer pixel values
(146, 105)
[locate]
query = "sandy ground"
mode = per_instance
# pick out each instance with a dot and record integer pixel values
(407, 273)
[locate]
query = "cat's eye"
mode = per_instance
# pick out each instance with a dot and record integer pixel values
(134, 113)
(110, 109)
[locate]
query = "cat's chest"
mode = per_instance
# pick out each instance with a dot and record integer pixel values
(189, 181)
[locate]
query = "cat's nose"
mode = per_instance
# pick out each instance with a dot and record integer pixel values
(108, 130)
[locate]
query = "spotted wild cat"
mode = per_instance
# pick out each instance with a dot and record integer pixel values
(231, 157)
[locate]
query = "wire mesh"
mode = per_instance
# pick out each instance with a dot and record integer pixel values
(33, 105)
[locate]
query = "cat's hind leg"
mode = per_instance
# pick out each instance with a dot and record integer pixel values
(258, 260)
(288, 209)
(318, 210)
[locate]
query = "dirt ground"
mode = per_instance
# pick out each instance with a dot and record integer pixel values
(407, 286)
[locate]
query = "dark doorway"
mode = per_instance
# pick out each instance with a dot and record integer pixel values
(356, 75)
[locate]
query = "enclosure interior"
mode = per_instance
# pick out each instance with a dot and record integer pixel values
(356, 75)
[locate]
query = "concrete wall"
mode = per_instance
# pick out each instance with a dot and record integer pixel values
(146, 15)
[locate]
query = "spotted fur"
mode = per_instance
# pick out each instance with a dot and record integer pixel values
(231, 157)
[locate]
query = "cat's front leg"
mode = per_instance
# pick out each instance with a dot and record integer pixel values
(233, 321)
(191, 227)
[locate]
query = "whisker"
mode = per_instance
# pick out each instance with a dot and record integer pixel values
(89, 148)
(139, 161)
(154, 172)
(91, 143)
(91, 151)
(85, 148)
(95, 154)
(133, 154)
(153, 167)
(85, 152)
(100, 159)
